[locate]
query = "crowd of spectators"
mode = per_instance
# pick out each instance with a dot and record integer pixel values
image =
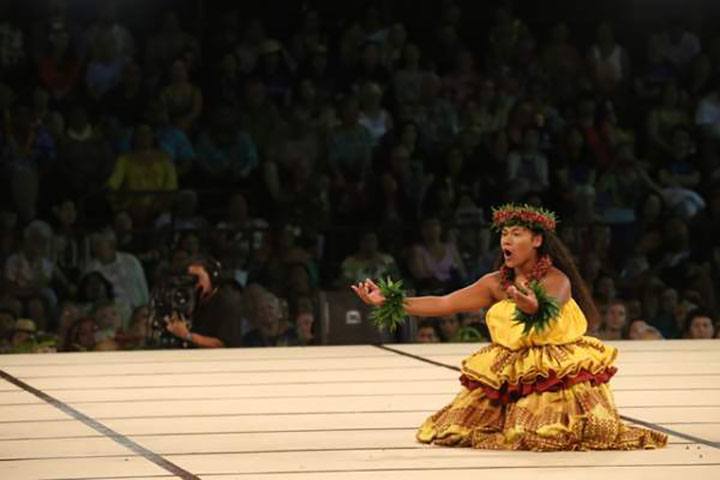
(349, 146)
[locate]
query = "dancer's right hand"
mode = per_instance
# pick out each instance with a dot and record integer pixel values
(369, 292)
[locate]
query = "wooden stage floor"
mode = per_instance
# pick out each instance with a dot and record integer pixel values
(320, 413)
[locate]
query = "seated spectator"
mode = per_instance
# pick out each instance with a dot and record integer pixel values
(511, 41)
(450, 328)
(637, 328)
(614, 322)
(435, 116)
(107, 29)
(394, 45)
(299, 282)
(368, 262)
(304, 322)
(652, 333)
(135, 337)
(184, 215)
(665, 320)
(619, 188)
(23, 336)
(128, 99)
(173, 140)
(373, 116)
(168, 43)
(183, 99)
(562, 62)
(403, 183)
(108, 319)
(69, 248)
(7, 326)
(699, 325)
(280, 250)
(426, 332)
(608, 60)
(13, 43)
(596, 138)
(275, 70)
(267, 331)
(679, 170)
(37, 309)
(80, 336)
(123, 270)
(707, 115)
(145, 169)
(408, 79)
(259, 117)
(664, 119)
(238, 235)
(104, 69)
(349, 158)
(435, 264)
(70, 312)
(28, 153)
(226, 153)
(464, 81)
(678, 45)
(656, 72)
(527, 168)
(85, 156)
(59, 69)
(32, 271)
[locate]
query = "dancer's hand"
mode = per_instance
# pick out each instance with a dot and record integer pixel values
(369, 292)
(524, 298)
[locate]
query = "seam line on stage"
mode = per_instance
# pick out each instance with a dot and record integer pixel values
(296, 397)
(225, 415)
(118, 438)
(218, 372)
(400, 469)
(629, 419)
(225, 372)
(232, 452)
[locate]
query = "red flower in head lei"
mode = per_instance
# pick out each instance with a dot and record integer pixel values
(537, 219)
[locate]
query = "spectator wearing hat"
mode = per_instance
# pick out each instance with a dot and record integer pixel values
(23, 336)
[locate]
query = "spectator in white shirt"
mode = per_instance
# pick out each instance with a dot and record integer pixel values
(123, 270)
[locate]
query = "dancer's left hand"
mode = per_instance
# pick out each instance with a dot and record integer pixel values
(524, 298)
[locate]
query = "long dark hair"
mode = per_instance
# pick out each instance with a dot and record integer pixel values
(562, 260)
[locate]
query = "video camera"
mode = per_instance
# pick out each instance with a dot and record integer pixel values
(177, 294)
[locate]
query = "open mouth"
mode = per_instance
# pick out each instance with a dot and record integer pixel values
(507, 254)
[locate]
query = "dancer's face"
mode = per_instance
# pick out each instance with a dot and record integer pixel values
(519, 245)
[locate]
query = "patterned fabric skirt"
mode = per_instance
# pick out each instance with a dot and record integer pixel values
(541, 410)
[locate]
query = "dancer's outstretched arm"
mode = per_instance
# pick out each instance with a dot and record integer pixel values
(471, 298)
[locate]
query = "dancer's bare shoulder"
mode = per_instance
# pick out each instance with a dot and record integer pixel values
(492, 283)
(557, 284)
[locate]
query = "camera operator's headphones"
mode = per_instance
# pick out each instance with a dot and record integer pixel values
(212, 267)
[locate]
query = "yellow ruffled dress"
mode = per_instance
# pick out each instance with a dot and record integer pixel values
(541, 391)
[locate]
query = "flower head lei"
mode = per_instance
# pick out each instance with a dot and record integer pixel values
(534, 218)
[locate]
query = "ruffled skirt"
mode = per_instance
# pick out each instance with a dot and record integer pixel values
(542, 398)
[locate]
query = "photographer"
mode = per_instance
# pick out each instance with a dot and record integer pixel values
(216, 320)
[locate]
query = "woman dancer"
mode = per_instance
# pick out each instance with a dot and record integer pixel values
(541, 384)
